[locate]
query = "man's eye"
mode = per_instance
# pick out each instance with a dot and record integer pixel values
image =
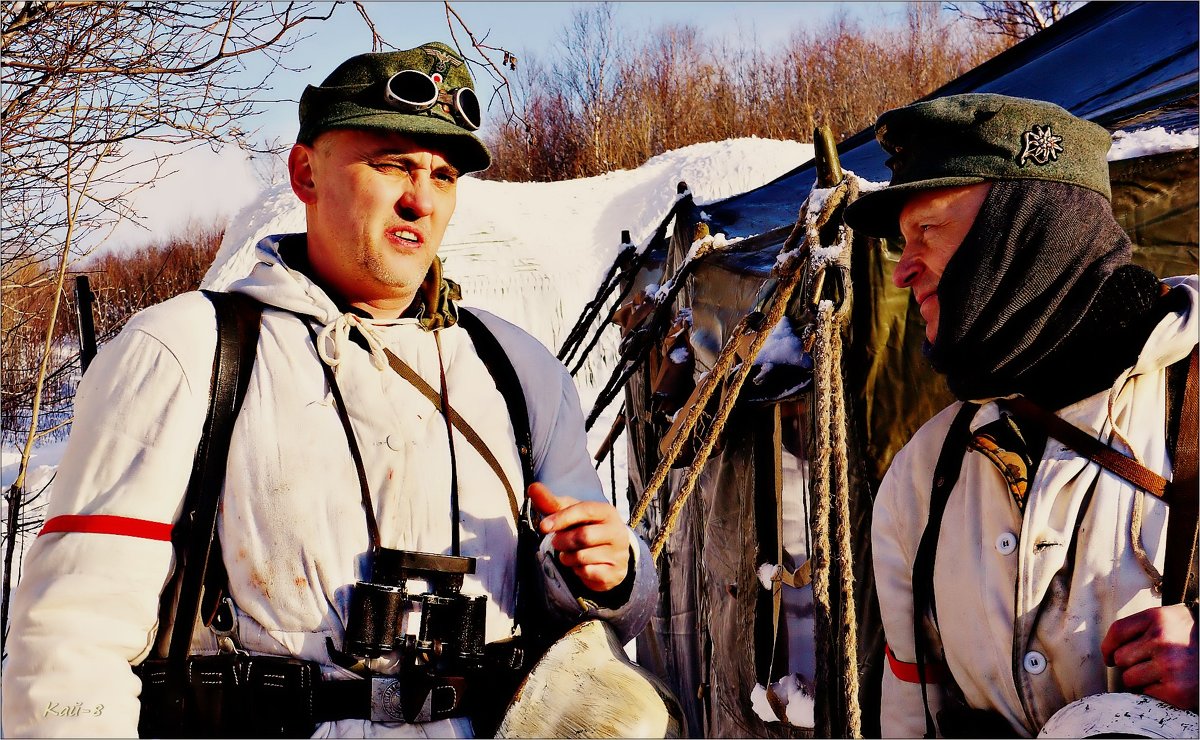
(449, 178)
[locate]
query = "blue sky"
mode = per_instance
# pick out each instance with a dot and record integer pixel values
(531, 29)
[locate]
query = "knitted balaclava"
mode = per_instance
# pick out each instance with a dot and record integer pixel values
(1021, 283)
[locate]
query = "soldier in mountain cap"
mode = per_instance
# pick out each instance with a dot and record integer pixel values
(339, 462)
(1015, 574)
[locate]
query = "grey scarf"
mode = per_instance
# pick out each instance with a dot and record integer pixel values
(1021, 284)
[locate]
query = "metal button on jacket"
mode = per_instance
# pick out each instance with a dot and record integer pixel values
(1034, 662)
(1006, 543)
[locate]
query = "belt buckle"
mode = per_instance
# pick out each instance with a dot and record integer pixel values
(385, 699)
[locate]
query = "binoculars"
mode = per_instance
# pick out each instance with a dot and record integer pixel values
(449, 634)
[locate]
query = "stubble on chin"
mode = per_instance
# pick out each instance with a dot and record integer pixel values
(406, 278)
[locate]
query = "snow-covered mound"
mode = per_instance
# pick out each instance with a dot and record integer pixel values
(1155, 140)
(535, 252)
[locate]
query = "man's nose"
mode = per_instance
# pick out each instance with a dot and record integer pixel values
(417, 200)
(907, 269)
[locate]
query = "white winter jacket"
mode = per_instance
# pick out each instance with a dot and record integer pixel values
(1014, 640)
(292, 525)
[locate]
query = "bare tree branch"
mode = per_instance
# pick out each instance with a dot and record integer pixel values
(484, 60)
(1015, 19)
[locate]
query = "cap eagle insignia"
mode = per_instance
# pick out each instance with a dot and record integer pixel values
(441, 63)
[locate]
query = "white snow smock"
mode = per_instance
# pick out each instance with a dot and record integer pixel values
(1014, 641)
(292, 525)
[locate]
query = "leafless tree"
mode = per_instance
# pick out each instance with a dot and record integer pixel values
(673, 86)
(1016, 19)
(589, 50)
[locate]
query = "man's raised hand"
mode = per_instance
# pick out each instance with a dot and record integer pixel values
(589, 536)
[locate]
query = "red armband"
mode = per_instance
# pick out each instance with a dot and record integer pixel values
(907, 672)
(108, 524)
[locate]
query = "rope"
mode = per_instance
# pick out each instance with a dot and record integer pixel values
(841, 522)
(830, 485)
(780, 302)
(822, 505)
(708, 386)
(837, 646)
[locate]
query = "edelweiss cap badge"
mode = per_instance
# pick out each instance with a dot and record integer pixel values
(1042, 145)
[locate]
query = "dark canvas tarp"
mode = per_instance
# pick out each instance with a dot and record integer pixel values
(1126, 66)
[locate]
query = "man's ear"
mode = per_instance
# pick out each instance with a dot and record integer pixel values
(300, 171)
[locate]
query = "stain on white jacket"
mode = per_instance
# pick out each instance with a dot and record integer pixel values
(292, 525)
(1016, 640)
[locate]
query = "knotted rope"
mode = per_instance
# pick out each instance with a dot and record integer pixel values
(831, 490)
(831, 487)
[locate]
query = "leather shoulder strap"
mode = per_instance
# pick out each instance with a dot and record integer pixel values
(194, 536)
(507, 381)
(1085, 444)
(945, 477)
(528, 613)
(1180, 568)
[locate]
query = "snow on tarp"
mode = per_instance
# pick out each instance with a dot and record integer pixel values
(1156, 140)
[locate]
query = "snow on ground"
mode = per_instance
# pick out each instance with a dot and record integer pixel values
(566, 231)
(43, 462)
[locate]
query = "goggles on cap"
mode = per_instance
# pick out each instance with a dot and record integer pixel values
(413, 91)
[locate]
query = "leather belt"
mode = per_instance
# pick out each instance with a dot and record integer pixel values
(394, 699)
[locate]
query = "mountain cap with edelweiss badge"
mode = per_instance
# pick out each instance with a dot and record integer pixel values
(975, 137)
(426, 93)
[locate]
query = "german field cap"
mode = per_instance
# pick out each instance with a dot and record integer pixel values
(426, 92)
(975, 137)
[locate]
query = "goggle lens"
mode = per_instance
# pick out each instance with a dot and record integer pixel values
(466, 104)
(413, 91)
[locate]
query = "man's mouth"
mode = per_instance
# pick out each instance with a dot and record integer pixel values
(407, 236)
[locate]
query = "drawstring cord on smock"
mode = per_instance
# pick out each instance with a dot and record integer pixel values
(333, 337)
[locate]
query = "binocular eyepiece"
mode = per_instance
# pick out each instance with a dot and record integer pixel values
(450, 635)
